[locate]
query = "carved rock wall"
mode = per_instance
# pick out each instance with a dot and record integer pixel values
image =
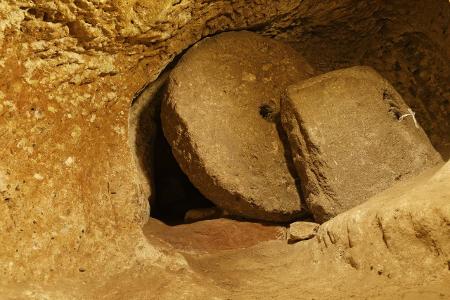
(72, 199)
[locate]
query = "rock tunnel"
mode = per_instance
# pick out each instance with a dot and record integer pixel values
(85, 163)
(363, 38)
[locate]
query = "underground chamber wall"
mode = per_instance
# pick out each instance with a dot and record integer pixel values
(431, 104)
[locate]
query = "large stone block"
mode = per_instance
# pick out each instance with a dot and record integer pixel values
(352, 137)
(221, 117)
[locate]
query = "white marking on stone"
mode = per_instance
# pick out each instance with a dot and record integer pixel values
(38, 176)
(38, 114)
(69, 161)
(412, 114)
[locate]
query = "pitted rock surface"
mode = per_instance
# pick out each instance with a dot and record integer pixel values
(352, 136)
(221, 117)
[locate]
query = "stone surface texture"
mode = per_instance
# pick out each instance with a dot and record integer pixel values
(221, 117)
(211, 236)
(300, 231)
(73, 187)
(411, 217)
(352, 136)
(377, 247)
(200, 214)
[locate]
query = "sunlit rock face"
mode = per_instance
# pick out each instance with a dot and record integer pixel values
(73, 192)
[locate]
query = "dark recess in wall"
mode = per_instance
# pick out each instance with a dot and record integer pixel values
(175, 194)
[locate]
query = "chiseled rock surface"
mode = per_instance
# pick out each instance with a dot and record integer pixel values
(221, 117)
(73, 195)
(352, 136)
(403, 229)
(374, 250)
(300, 231)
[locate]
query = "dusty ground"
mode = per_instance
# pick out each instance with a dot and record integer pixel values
(366, 269)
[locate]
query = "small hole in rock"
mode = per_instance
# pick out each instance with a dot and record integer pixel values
(268, 112)
(386, 95)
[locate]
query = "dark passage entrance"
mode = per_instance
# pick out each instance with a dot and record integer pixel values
(175, 194)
